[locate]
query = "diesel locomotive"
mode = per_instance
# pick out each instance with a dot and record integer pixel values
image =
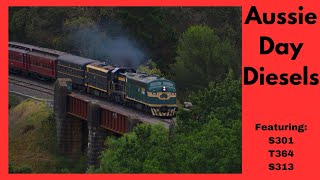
(148, 93)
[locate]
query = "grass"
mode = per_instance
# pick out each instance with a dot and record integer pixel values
(13, 101)
(32, 141)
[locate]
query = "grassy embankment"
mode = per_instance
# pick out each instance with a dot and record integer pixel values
(32, 140)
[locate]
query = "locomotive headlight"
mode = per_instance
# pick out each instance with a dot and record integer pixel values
(164, 88)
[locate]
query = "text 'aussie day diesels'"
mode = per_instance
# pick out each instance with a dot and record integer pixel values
(261, 76)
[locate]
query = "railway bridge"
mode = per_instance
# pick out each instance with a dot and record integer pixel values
(83, 122)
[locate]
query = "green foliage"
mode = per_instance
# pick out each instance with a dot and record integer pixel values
(77, 37)
(211, 129)
(13, 101)
(19, 170)
(91, 170)
(32, 141)
(212, 148)
(32, 136)
(221, 100)
(203, 57)
(150, 68)
(210, 133)
(149, 25)
(145, 150)
(78, 23)
(65, 171)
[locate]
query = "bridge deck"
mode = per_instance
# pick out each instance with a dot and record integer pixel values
(125, 111)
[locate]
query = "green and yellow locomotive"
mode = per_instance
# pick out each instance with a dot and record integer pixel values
(151, 94)
(147, 93)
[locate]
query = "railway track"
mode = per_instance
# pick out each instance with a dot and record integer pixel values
(32, 86)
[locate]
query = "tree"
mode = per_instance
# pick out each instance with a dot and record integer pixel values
(203, 57)
(149, 26)
(150, 68)
(19, 170)
(145, 150)
(212, 148)
(208, 136)
(222, 100)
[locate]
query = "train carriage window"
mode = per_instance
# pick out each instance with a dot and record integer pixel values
(46, 66)
(62, 69)
(157, 83)
(36, 63)
(168, 84)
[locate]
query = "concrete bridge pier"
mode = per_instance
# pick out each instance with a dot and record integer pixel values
(65, 128)
(97, 135)
(69, 128)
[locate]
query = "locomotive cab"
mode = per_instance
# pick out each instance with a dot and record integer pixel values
(118, 83)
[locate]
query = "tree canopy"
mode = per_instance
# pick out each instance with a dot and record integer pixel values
(203, 57)
(145, 150)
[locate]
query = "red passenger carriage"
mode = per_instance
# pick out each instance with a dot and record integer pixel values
(36, 61)
(17, 59)
(42, 64)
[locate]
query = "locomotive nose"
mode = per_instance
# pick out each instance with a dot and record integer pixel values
(163, 96)
(164, 109)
